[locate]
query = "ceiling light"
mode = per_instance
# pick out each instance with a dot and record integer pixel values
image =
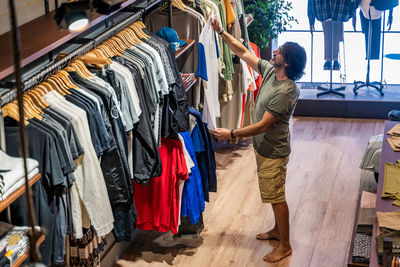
(74, 16)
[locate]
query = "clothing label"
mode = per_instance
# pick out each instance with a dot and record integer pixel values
(73, 251)
(84, 253)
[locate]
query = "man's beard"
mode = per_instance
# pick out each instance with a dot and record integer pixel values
(276, 64)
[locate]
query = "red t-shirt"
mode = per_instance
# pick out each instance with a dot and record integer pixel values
(157, 204)
(259, 78)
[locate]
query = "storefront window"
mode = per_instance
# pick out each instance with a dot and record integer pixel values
(352, 52)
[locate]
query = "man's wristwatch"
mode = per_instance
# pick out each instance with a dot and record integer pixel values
(221, 32)
(232, 135)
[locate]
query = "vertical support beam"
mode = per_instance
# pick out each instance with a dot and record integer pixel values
(170, 13)
(46, 6)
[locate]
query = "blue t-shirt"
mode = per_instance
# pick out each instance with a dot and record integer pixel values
(204, 149)
(192, 196)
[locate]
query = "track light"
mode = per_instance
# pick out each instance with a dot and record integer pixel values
(74, 16)
(107, 6)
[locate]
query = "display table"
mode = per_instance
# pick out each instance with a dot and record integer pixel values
(388, 155)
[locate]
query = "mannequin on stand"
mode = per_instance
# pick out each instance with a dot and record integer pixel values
(332, 14)
(331, 45)
(370, 14)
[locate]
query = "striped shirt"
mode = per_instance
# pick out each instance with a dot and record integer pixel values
(337, 10)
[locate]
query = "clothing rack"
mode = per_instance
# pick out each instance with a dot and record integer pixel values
(83, 49)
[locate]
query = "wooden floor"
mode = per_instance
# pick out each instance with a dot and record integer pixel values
(322, 187)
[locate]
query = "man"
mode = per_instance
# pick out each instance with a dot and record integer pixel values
(274, 106)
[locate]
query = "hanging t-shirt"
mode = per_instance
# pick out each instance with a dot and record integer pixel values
(204, 149)
(193, 196)
(211, 109)
(158, 203)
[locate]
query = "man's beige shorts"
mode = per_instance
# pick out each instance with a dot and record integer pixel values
(271, 178)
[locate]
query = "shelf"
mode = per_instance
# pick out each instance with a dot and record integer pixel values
(385, 205)
(24, 256)
(190, 85)
(17, 193)
(39, 37)
(184, 48)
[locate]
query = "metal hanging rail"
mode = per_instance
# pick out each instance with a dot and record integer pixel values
(83, 49)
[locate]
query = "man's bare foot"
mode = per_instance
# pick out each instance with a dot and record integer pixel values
(273, 234)
(278, 254)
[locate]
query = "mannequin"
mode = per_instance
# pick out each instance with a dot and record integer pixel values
(383, 5)
(338, 36)
(367, 8)
(332, 14)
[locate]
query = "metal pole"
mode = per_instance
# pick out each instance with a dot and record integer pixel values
(383, 44)
(34, 235)
(170, 13)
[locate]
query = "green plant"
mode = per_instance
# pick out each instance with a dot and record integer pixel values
(271, 17)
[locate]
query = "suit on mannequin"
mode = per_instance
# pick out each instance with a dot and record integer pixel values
(375, 9)
(332, 14)
(376, 17)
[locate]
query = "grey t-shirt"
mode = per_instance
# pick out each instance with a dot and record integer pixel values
(278, 98)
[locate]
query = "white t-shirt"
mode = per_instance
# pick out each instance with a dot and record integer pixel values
(211, 109)
(89, 186)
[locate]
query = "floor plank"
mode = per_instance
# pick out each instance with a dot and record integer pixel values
(322, 187)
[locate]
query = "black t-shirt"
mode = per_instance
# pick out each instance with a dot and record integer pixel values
(146, 157)
(100, 126)
(41, 147)
(73, 140)
(59, 147)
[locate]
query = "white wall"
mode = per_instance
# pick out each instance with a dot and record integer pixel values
(27, 10)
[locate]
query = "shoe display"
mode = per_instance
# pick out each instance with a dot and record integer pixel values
(336, 65)
(327, 65)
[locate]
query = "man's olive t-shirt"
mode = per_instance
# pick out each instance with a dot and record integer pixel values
(278, 98)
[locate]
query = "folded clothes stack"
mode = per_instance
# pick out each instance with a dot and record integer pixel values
(4, 261)
(394, 139)
(391, 182)
(14, 242)
(361, 248)
(188, 79)
(12, 173)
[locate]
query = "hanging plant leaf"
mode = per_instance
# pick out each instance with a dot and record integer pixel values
(270, 19)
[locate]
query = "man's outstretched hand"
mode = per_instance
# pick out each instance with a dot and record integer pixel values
(221, 133)
(216, 25)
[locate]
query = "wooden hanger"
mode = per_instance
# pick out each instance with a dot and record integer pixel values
(98, 52)
(82, 66)
(37, 100)
(178, 4)
(11, 110)
(119, 43)
(51, 84)
(31, 105)
(31, 108)
(114, 44)
(78, 70)
(136, 31)
(65, 76)
(94, 59)
(139, 25)
(129, 39)
(132, 36)
(109, 48)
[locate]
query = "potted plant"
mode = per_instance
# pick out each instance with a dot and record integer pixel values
(271, 17)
